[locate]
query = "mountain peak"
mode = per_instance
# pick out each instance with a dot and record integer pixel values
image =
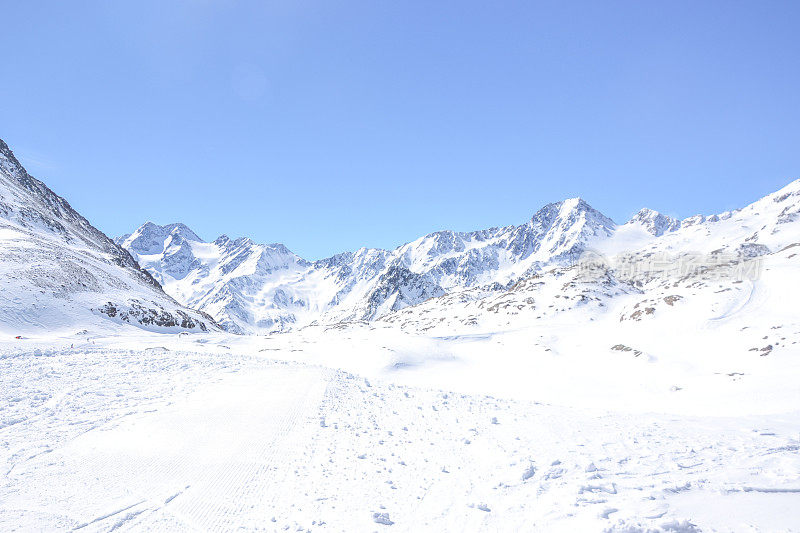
(7, 158)
(570, 211)
(150, 237)
(178, 228)
(150, 226)
(791, 189)
(654, 222)
(576, 203)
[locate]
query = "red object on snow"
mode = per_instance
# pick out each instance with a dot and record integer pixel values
(18, 337)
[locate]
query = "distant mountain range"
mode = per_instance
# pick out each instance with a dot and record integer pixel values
(253, 288)
(58, 271)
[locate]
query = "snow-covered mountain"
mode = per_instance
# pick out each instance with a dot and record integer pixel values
(57, 270)
(235, 280)
(251, 287)
(730, 273)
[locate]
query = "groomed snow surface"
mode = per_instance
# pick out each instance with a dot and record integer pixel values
(212, 432)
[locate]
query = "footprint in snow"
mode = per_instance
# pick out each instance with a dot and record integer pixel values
(607, 512)
(382, 518)
(528, 473)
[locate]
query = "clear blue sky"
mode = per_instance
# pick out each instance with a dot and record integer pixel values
(333, 125)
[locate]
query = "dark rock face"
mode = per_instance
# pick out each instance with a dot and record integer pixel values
(139, 314)
(409, 287)
(656, 223)
(750, 250)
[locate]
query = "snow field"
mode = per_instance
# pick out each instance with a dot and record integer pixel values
(156, 439)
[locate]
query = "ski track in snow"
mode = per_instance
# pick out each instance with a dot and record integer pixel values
(738, 306)
(153, 440)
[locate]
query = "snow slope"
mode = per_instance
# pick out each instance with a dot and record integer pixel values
(153, 439)
(58, 271)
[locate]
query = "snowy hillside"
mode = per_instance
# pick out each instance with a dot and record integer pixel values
(58, 271)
